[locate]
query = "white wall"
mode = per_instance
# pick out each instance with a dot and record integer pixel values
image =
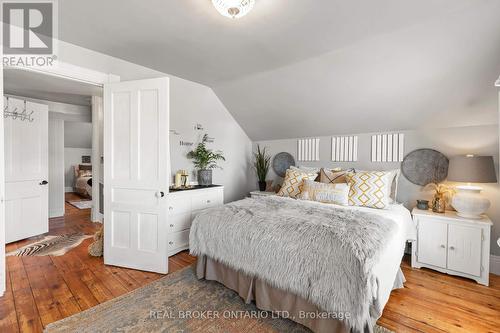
(480, 140)
(77, 134)
(192, 104)
(56, 167)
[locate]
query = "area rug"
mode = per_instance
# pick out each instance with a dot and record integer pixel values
(178, 302)
(51, 245)
(82, 204)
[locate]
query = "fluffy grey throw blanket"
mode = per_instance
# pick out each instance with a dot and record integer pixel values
(323, 254)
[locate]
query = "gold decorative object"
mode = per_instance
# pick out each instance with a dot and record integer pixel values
(441, 196)
(439, 204)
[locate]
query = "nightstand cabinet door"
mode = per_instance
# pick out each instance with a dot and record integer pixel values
(464, 249)
(432, 240)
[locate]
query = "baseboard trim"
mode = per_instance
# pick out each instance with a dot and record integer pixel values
(68, 189)
(56, 213)
(494, 264)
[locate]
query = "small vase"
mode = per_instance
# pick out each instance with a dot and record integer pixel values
(262, 186)
(439, 204)
(205, 177)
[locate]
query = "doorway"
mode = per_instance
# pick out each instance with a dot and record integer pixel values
(53, 139)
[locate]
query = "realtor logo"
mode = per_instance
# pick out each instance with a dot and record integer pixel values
(28, 27)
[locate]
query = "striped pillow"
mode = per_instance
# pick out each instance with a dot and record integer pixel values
(325, 193)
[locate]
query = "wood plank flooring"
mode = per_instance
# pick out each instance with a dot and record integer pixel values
(41, 290)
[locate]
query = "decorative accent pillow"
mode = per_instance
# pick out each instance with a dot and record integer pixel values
(325, 193)
(308, 170)
(292, 185)
(335, 176)
(394, 185)
(370, 188)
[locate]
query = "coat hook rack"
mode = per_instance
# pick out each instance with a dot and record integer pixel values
(15, 114)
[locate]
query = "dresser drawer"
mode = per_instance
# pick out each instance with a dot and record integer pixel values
(179, 222)
(177, 240)
(207, 200)
(178, 205)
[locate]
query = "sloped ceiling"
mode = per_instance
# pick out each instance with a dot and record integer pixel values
(313, 67)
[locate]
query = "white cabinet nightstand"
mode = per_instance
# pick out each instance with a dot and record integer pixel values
(452, 244)
(254, 194)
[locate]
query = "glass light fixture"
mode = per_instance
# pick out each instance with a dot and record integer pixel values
(233, 8)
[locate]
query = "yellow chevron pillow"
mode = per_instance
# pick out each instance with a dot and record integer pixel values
(293, 183)
(370, 188)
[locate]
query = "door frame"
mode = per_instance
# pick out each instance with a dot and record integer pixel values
(88, 76)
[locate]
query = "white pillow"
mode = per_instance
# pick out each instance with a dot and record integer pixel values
(325, 193)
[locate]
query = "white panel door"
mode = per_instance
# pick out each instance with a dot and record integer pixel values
(136, 171)
(26, 172)
(464, 249)
(432, 240)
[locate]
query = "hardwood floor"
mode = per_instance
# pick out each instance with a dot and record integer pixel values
(41, 290)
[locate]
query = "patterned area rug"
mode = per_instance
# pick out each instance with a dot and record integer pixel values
(51, 245)
(82, 204)
(178, 302)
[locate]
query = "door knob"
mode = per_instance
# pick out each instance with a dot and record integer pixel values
(452, 248)
(442, 246)
(43, 182)
(160, 194)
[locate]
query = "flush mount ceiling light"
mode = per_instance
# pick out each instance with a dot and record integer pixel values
(233, 8)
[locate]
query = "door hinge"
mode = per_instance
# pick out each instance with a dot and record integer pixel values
(482, 268)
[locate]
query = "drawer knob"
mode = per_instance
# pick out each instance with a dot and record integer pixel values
(171, 226)
(170, 208)
(171, 243)
(442, 246)
(208, 201)
(452, 248)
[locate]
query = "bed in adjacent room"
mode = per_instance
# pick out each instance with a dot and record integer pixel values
(83, 179)
(329, 267)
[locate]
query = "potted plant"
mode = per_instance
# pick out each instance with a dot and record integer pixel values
(204, 161)
(261, 164)
(442, 193)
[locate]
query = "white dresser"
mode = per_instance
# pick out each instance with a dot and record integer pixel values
(182, 208)
(452, 244)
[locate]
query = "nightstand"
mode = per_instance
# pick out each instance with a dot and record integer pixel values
(254, 194)
(452, 244)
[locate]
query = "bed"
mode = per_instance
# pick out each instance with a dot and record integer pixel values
(328, 267)
(83, 179)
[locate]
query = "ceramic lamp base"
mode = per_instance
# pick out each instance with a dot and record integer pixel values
(469, 203)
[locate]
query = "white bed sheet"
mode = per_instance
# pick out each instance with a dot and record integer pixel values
(387, 268)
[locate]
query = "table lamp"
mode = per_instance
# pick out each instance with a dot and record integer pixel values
(468, 201)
